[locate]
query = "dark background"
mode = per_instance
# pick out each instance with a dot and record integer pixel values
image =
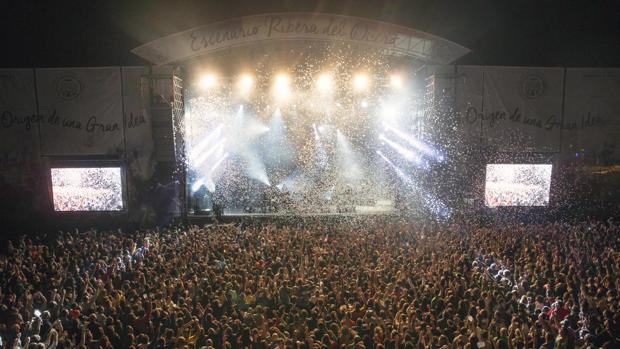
(524, 33)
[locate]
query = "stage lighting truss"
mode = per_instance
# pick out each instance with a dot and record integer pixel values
(282, 82)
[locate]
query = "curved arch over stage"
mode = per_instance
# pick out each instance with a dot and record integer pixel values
(393, 39)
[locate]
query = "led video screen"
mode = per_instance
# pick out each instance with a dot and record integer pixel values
(517, 185)
(87, 189)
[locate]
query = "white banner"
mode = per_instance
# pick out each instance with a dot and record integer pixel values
(469, 91)
(19, 124)
(82, 110)
(303, 27)
(522, 109)
(592, 114)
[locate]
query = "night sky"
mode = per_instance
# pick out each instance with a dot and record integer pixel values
(525, 33)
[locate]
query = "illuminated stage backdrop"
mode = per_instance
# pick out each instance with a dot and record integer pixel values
(312, 137)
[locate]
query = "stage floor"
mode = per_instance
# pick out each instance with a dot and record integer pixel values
(382, 208)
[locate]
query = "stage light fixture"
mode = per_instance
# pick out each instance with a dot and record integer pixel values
(389, 112)
(208, 81)
(396, 81)
(246, 82)
(324, 83)
(361, 81)
(281, 87)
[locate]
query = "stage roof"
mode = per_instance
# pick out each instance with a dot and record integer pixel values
(300, 28)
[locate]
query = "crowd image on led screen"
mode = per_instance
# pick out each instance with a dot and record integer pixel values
(360, 283)
(517, 185)
(87, 189)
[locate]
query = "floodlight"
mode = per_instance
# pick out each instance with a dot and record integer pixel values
(281, 87)
(396, 81)
(324, 83)
(208, 81)
(361, 81)
(245, 83)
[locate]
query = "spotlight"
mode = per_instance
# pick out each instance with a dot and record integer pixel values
(396, 81)
(364, 104)
(245, 83)
(418, 144)
(218, 163)
(200, 158)
(389, 112)
(197, 184)
(198, 149)
(324, 83)
(208, 81)
(281, 88)
(282, 80)
(406, 153)
(361, 81)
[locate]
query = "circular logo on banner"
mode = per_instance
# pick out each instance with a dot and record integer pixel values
(68, 87)
(532, 86)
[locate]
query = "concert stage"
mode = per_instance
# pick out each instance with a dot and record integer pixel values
(382, 207)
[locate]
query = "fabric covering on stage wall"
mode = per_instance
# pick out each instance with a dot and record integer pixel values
(19, 148)
(83, 111)
(18, 112)
(469, 91)
(575, 111)
(22, 186)
(592, 114)
(522, 108)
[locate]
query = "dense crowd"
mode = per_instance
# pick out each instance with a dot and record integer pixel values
(363, 284)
